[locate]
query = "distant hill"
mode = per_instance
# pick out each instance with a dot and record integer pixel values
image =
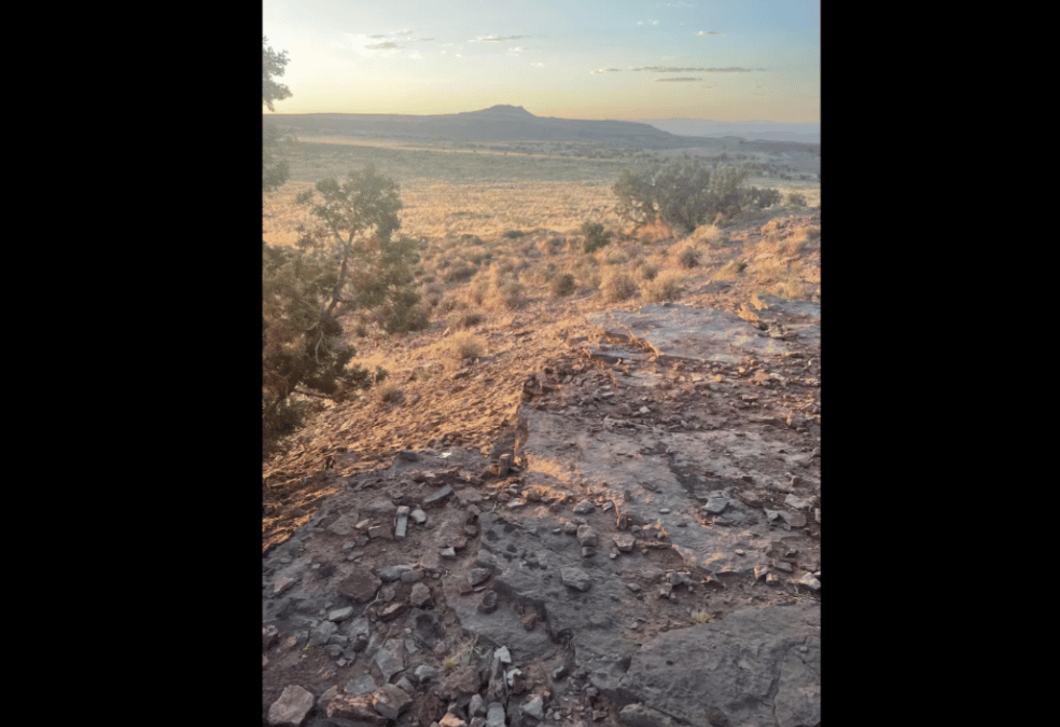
(498, 123)
(768, 130)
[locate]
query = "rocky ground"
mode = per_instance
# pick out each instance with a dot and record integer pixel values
(612, 518)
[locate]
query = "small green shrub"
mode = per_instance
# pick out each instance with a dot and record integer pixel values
(512, 234)
(595, 236)
(797, 200)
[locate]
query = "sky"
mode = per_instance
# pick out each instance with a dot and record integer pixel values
(729, 60)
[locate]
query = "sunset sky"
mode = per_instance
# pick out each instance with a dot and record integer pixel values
(730, 60)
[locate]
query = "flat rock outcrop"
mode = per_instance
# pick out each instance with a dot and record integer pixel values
(647, 552)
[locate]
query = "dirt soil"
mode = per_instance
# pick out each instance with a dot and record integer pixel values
(550, 389)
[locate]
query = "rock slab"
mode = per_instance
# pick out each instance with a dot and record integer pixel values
(755, 666)
(291, 708)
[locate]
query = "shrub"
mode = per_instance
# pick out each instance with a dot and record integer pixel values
(562, 285)
(666, 287)
(595, 236)
(648, 271)
(687, 194)
(465, 319)
(797, 200)
(689, 256)
(465, 347)
(617, 285)
(512, 234)
(390, 394)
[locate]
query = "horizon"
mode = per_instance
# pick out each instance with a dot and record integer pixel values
(724, 61)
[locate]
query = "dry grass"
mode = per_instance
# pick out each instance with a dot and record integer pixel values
(617, 285)
(664, 288)
(465, 347)
(701, 617)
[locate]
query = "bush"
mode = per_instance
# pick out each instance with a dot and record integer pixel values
(562, 285)
(666, 287)
(595, 236)
(617, 286)
(797, 200)
(687, 194)
(465, 347)
(689, 256)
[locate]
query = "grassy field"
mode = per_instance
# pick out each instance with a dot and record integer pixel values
(451, 189)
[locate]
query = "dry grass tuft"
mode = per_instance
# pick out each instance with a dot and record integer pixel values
(701, 617)
(617, 285)
(465, 347)
(666, 287)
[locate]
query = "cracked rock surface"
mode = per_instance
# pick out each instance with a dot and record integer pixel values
(647, 554)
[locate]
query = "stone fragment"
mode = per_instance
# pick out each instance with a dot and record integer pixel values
(425, 674)
(379, 531)
(535, 707)
(584, 507)
(810, 582)
(716, 505)
(478, 575)
(419, 516)
(503, 655)
(420, 595)
(575, 578)
(323, 633)
(463, 680)
(451, 720)
(412, 576)
(587, 536)
(638, 715)
(391, 573)
(283, 585)
(477, 707)
(344, 526)
(438, 497)
(269, 636)
(390, 701)
(355, 708)
(402, 524)
(489, 602)
(391, 658)
(495, 715)
(291, 708)
(363, 684)
(340, 614)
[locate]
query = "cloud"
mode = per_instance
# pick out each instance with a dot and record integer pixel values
(382, 46)
(678, 79)
(376, 36)
(655, 22)
(606, 70)
(496, 38)
(710, 32)
(667, 69)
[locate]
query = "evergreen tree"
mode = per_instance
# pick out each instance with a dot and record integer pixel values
(303, 346)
